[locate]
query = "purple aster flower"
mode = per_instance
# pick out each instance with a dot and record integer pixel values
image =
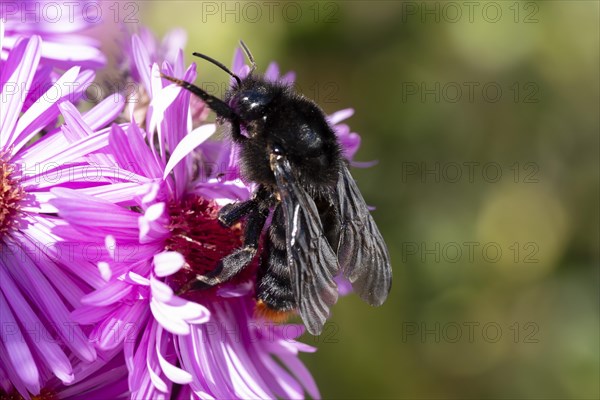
(211, 343)
(40, 344)
(61, 25)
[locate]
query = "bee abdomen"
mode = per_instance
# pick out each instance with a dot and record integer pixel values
(273, 285)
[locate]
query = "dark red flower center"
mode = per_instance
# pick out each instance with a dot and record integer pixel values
(11, 194)
(197, 234)
(45, 394)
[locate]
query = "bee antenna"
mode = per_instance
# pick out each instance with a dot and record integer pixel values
(220, 65)
(249, 55)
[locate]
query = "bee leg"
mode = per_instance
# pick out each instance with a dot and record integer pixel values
(229, 214)
(232, 213)
(232, 264)
(236, 131)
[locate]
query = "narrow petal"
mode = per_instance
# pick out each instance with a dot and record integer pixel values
(175, 374)
(77, 129)
(339, 116)
(105, 112)
(45, 109)
(17, 349)
(45, 297)
(90, 315)
(65, 56)
(121, 326)
(137, 279)
(173, 40)
(151, 167)
(152, 363)
(177, 314)
(142, 62)
(272, 72)
(167, 263)
(160, 290)
(173, 325)
(49, 351)
(118, 193)
(77, 150)
(86, 211)
(289, 78)
(302, 374)
(54, 174)
(21, 64)
(109, 294)
(160, 102)
(188, 144)
(236, 290)
(14, 380)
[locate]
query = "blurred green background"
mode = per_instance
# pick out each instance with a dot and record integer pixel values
(484, 117)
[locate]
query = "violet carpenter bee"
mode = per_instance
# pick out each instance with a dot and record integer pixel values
(320, 222)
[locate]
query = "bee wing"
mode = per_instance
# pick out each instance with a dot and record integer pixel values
(362, 253)
(311, 260)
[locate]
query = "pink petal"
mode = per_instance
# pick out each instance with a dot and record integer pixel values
(151, 167)
(22, 63)
(151, 225)
(237, 290)
(115, 192)
(167, 263)
(175, 374)
(176, 315)
(289, 78)
(122, 325)
(339, 116)
(191, 312)
(105, 271)
(81, 209)
(76, 150)
(109, 294)
(56, 174)
(137, 279)
(161, 314)
(18, 352)
(160, 102)
(189, 142)
(173, 40)
(90, 315)
(49, 351)
(44, 110)
(46, 298)
(302, 374)
(151, 364)
(160, 291)
(142, 62)
(272, 72)
(13, 381)
(105, 112)
(155, 211)
(83, 55)
(238, 61)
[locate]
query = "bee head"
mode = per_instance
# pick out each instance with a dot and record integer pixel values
(251, 101)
